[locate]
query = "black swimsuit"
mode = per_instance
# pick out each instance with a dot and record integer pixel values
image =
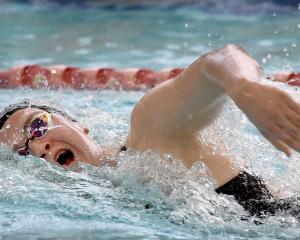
(251, 192)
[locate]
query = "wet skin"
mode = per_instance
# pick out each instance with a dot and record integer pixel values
(63, 136)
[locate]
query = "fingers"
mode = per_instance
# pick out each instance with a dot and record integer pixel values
(287, 129)
(288, 124)
(292, 116)
(293, 105)
(286, 136)
(278, 144)
(282, 130)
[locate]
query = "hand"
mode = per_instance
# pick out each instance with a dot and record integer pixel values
(274, 113)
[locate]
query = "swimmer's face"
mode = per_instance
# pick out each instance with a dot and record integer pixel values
(64, 143)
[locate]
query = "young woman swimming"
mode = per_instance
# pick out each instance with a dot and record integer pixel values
(167, 120)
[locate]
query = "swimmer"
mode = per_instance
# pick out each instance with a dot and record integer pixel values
(167, 120)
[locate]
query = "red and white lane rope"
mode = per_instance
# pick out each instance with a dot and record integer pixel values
(36, 76)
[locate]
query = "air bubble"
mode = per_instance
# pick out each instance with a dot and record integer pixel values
(8, 126)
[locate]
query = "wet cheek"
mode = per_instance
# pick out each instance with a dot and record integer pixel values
(12, 139)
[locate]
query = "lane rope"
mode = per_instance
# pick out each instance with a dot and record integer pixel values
(37, 76)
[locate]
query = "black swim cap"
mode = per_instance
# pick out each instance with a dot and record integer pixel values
(11, 109)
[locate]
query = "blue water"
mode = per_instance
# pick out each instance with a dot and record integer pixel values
(146, 196)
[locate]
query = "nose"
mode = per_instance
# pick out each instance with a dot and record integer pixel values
(39, 148)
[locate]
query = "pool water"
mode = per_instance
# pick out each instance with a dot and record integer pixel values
(146, 196)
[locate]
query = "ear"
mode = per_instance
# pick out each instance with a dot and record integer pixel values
(86, 130)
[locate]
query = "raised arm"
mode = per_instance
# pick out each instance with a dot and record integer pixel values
(178, 108)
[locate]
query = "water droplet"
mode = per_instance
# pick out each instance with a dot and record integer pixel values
(209, 35)
(84, 41)
(264, 60)
(287, 67)
(298, 26)
(294, 45)
(284, 49)
(287, 54)
(275, 32)
(111, 45)
(269, 56)
(186, 25)
(274, 14)
(58, 48)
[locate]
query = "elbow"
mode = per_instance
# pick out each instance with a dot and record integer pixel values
(226, 55)
(233, 48)
(223, 53)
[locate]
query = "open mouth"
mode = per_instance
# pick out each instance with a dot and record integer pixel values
(65, 158)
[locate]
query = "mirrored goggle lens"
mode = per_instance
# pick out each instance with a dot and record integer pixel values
(39, 126)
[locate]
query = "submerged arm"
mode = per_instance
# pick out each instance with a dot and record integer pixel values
(178, 108)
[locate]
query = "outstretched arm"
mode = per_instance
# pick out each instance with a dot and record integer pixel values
(180, 107)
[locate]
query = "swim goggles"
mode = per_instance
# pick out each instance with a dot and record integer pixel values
(37, 128)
